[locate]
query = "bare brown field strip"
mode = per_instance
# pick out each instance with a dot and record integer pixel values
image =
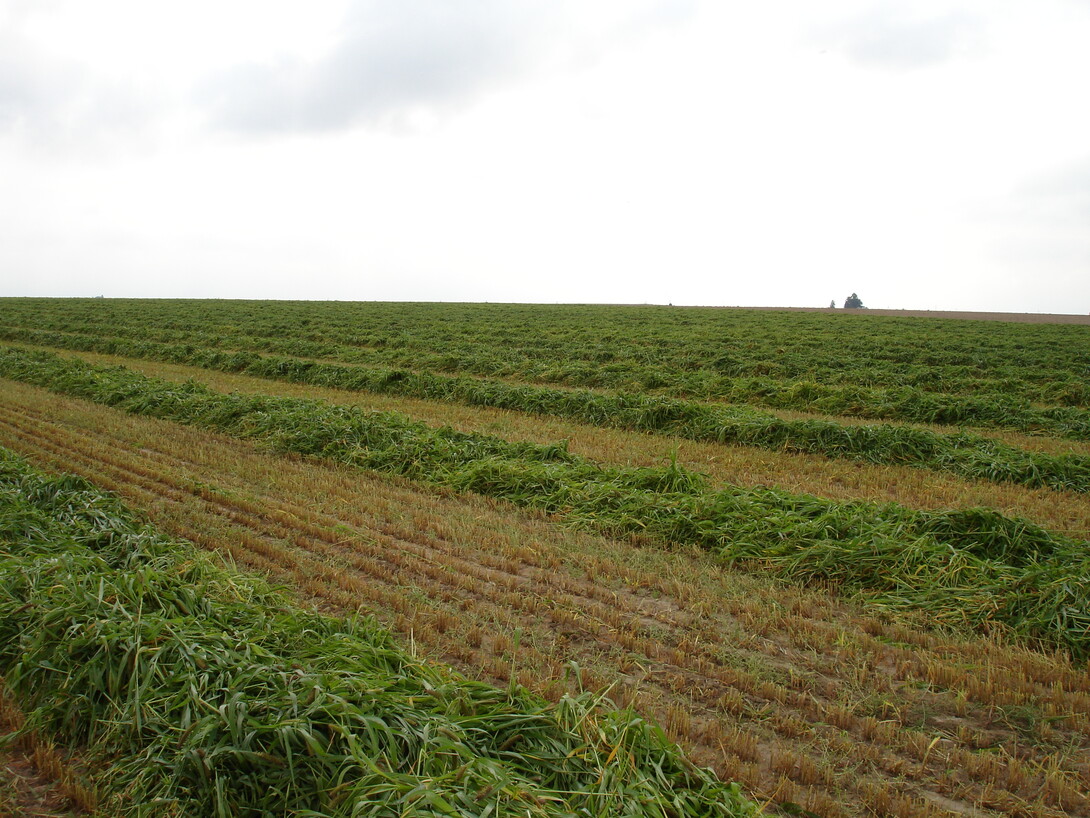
(36, 779)
(800, 696)
(1063, 512)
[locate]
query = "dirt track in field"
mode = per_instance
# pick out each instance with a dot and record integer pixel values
(802, 698)
(33, 775)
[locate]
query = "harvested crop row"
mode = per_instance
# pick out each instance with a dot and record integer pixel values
(288, 521)
(963, 454)
(221, 697)
(684, 352)
(35, 428)
(897, 403)
(971, 568)
(838, 740)
(840, 480)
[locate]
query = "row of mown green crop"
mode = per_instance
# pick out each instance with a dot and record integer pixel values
(208, 694)
(970, 567)
(633, 347)
(1000, 408)
(606, 364)
(965, 455)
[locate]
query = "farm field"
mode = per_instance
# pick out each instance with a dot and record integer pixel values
(868, 596)
(195, 690)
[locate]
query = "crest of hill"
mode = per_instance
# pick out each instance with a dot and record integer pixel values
(1013, 317)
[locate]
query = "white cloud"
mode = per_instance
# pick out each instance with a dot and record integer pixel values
(903, 36)
(394, 61)
(392, 58)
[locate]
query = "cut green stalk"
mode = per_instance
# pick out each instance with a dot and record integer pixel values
(970, 568)
(201, 692)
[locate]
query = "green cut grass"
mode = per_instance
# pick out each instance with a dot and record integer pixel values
(971, 568)
(198, 691)
(963, 454)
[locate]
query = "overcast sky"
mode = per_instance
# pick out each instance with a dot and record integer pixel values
(927, 155)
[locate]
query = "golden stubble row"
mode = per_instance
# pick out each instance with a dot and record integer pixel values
(1063, 512)
(770, 684)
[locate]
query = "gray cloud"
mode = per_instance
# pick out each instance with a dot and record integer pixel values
(397, 57)
(393, 57)
(60, 108)
(885, 38)
(30, 88)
